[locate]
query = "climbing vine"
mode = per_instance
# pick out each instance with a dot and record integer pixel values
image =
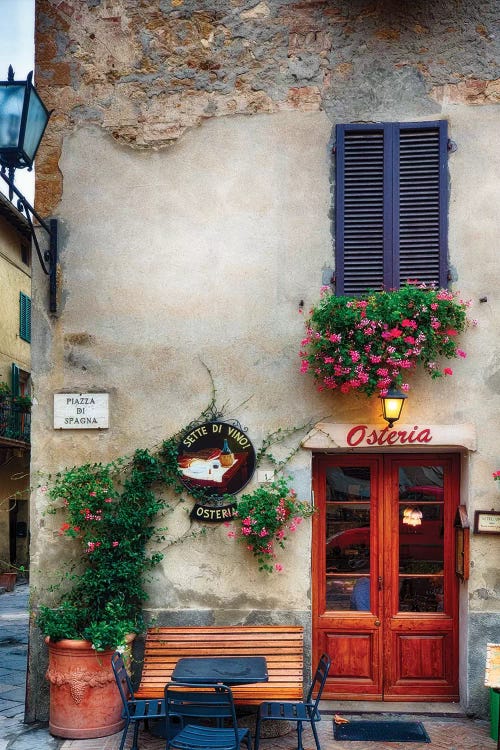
(109, 510)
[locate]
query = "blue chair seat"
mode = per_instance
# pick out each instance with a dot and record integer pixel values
(289, 712)
(215, 738)
(142, 710)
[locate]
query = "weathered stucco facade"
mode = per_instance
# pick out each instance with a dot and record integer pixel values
(189, 162)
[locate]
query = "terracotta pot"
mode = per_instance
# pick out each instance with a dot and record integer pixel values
(8, 581)
(84, 699)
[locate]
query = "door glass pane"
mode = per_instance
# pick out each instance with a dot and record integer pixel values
(348, 538)
(421, 539)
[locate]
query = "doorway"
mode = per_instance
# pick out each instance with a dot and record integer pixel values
(385, 592)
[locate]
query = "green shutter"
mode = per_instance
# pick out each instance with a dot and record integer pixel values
(15, 379)
(24, 317)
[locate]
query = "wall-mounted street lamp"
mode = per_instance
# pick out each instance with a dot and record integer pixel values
(23, 119)
(392, 405)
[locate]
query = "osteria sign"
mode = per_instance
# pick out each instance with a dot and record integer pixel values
(328, 435)
(81, 411)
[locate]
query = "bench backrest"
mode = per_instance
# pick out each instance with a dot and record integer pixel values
(282, 645)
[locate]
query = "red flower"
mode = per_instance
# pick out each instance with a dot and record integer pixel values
(394, 333)
(448, 371)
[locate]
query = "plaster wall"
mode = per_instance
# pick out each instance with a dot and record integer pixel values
(14, 488)
(15, 277)
(198, 257)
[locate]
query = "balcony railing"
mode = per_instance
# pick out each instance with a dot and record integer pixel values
(15, 420)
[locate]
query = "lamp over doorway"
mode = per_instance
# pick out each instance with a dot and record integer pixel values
(392, 405)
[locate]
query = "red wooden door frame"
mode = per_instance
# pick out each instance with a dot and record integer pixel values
(380, 648)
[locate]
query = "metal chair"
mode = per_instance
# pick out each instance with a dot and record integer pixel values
(206, 716)
(299, 712)
(134, 710)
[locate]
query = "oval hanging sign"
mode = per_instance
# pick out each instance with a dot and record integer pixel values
(217, 458)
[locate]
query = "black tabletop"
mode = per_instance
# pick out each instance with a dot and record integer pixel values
(230, 670)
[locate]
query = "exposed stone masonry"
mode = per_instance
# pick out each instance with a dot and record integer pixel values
(146, 70)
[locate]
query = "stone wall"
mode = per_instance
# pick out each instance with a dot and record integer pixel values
(146, 72)
(189, 162)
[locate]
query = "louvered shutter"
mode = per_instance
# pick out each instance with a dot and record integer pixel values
(361, 175)
(391, 203)
(24, 317)
(420, 200)
(15, 380)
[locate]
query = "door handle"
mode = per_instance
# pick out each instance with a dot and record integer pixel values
(380, 583)
(377, 623)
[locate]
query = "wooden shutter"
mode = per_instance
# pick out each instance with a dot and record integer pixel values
(15, 380)
(24, 317)
(360, 220)
(391, 205)
(420, 202)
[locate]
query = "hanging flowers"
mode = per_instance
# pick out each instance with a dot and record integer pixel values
(369, 344)
(266, 517)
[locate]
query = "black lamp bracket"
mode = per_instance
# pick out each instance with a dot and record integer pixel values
(48, 258)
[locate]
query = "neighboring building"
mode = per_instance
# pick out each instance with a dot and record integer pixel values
(190, 163)
(15, 367)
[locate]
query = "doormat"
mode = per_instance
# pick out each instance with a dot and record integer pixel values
(382, 731)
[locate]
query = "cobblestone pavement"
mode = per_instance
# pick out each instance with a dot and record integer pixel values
(446, 733)
(14, 734)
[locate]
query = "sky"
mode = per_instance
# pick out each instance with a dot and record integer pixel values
(17, 49)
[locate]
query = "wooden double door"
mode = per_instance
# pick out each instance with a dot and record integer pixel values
(385, 592)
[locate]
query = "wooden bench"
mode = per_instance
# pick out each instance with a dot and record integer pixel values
(281, 645)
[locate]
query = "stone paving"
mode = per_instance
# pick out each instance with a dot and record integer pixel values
(446, 733)
(14, 734)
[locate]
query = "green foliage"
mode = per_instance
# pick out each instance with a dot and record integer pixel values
(110, 513)
(4, 389)
(113, 520)
(268, 515)
(23, 402)
(370, 344)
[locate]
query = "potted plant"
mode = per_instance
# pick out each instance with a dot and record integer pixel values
(8, 577)
(266, 517)
(372, 343)
(5, 391)
(23, 403)
(110, 521)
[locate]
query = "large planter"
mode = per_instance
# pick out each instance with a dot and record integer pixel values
(84, 699)
(8, 581)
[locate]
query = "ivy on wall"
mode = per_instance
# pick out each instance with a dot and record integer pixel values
(110, 511)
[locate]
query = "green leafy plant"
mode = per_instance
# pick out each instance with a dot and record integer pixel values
(110, 512)
(372, 343)
(266, 517)
(112, 519)
(4, 389)
(23, 403)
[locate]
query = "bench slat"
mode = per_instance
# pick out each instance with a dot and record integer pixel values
(281, 645)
